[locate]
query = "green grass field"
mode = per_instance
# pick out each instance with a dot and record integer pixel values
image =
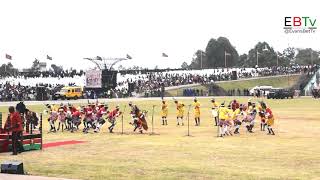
(293, 153)
(278, 81)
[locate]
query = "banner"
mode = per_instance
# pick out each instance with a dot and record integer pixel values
(93, 78)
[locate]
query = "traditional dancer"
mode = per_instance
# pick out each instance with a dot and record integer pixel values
(180, 112)
(269, 116)
(262, 118)
(235, 105)
(62, 115)
(139, 120)
(215, 108)
(238, 116)
(53, 116)
(102, 110)
(223, 115)
(76, 118)
(164, 112)
(229, 122)
(88, 118)
(196, 112)
(112, 118)
(251, 116)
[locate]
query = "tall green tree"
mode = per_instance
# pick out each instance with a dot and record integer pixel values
(199, 60)
(243, 60)
(184, 65)
(262, 55)
(287, 57)
(307, 56)
(215, 53)
(7, 70)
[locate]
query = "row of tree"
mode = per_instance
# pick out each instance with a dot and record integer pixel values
(221, 53)
(9, 70)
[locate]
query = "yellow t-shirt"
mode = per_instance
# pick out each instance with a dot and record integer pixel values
(235, 114)
(164, 109)
(215, 105)
(196, 107)
(180, 109)
(223, 113)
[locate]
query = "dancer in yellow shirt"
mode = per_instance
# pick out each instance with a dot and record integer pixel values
(164, 112)
(196, 111)
(180, 112)
(215, 108)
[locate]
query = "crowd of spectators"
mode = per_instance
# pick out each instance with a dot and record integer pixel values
(23, 86)
(152, 84)
(12, 92)
(56, 74)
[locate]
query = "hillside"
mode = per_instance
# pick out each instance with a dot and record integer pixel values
(223, 86)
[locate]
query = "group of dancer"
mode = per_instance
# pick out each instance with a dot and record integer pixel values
(229, 118)
(93, 116)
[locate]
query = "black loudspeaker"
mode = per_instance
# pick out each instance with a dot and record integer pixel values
(109, 79)
(12, 167)
(234, 75)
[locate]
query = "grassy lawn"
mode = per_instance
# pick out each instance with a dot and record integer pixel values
(282, 81)
(294, 153)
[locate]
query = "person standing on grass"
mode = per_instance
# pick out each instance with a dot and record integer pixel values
(180, 112)
(223, 115)
(262, 118)
(269, 116)
(14, 125)
(270, 119)
(238, 116)
(196, 111)
(215, 108)
(164, 112)
(251, 116)
(229, 122)
(62, 118)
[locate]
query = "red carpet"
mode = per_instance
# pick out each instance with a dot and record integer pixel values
(61, 143)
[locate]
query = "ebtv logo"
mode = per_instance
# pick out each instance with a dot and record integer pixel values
(303, 24)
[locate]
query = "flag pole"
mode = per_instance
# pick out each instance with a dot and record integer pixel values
(200, 59)
(257, 58)
(152, 121)
(189, 120)
(225, 59)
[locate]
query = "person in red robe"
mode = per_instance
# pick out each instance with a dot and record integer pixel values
(14, 125)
